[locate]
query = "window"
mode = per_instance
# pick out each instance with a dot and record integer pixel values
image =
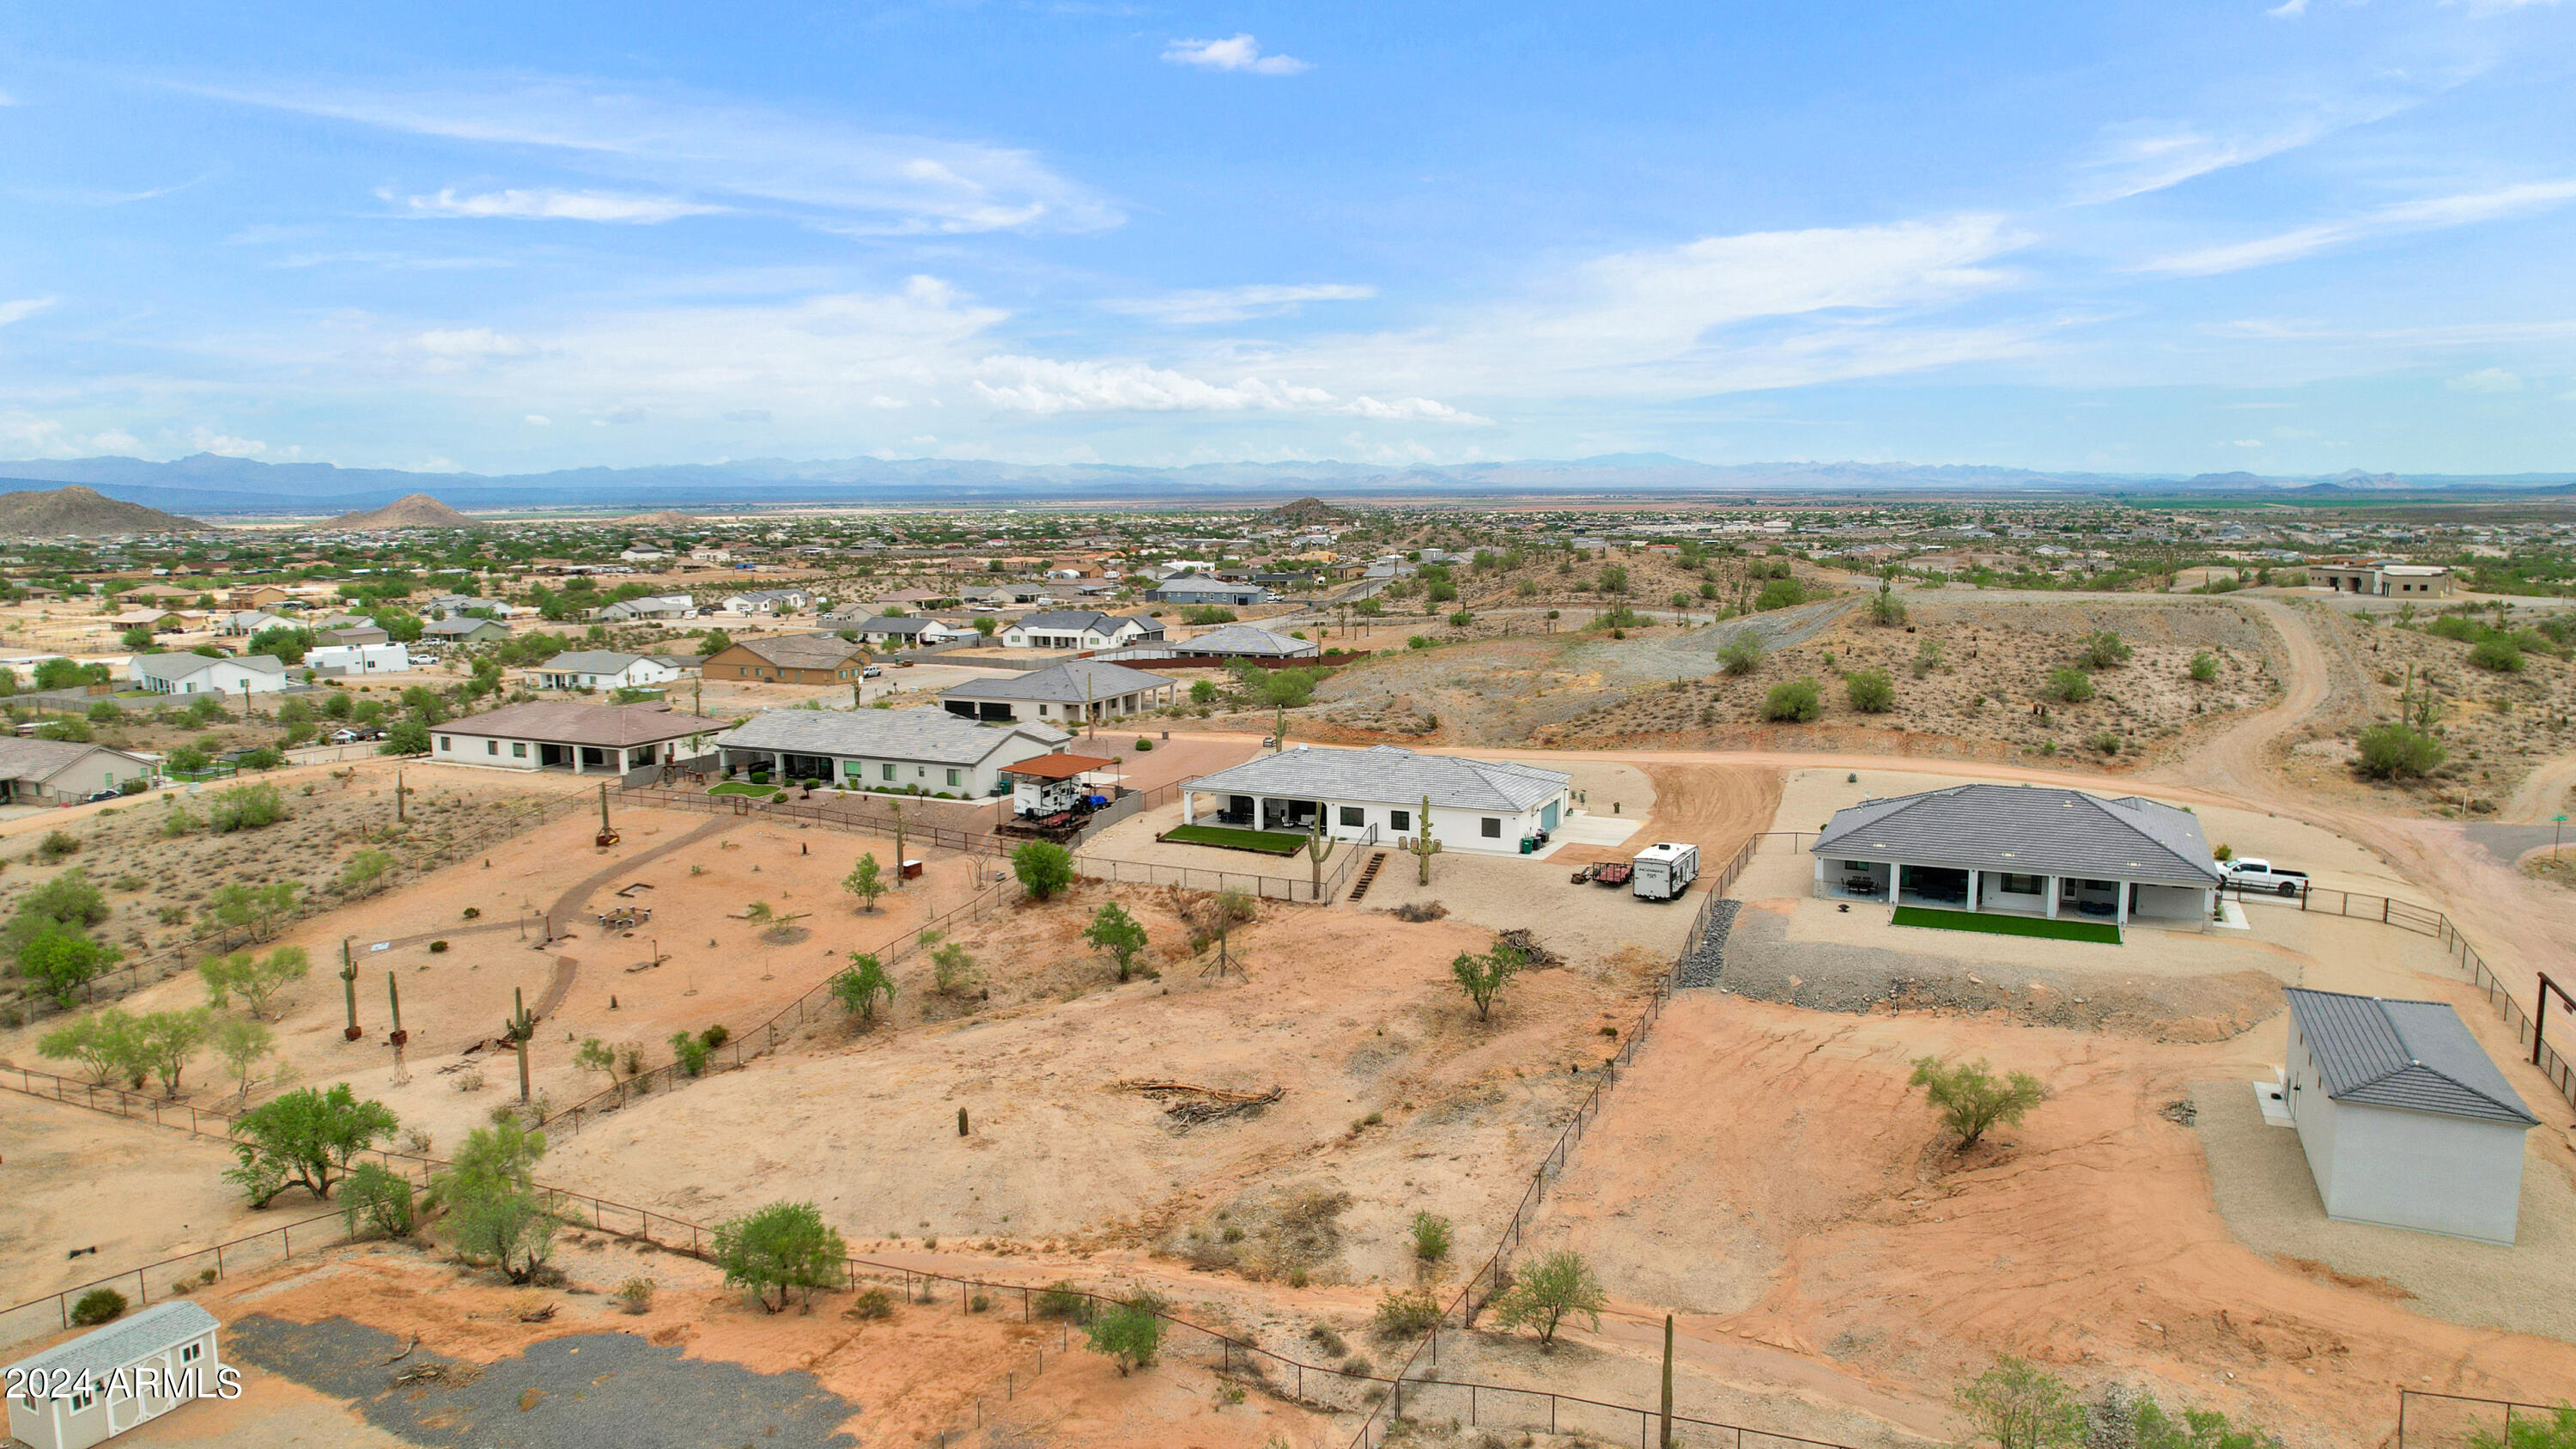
(953, 779)
(445, 743)
(1855, 865)
(1493, 828)
(191, 1352)
(518, 749)
(1354, 816)
(2021, 885)
(888, 769)
(1399, 820)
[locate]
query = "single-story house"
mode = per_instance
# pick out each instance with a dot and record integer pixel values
(2386, 580)
(651, 606)
(1487, 806)
(250, 621)
(2022, 850)
(1200, 589)
(582, 738)
(1061, 693)
(464, 629)
(197, 674)
(1077, 629)
(789, 659)
(159, 621)
(907, 631)
(61, 772)
(356, 634)
(139, 1367)
(767, 601)
(925, 750)
(2404, 1119)
(601, 669)
(258, 596)
(348, 659)
(1248, 641)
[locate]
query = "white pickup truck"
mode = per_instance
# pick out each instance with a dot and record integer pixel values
(2254, 874)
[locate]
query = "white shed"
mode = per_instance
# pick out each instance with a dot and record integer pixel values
(2404, 1120)
(111, 1379)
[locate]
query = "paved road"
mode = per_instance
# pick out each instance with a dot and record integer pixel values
(2509, 843)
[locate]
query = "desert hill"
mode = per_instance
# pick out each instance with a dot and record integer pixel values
(412, 510)
(1307, 512)
(80, 512)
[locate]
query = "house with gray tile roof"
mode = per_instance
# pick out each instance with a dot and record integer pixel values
(1065, 694)
(552, 734)
(2404, 1118)
(199, 674)
(1077, 629)
(1380, 793)
(919, 751)
(2022, 850)
(601, 669)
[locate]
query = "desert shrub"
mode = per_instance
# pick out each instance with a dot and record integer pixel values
(2106, 741)
(245, 807)
(1327, 1340)
(1144, 746)
(1780, 593)
(2497, 655)
(1405, 1314)
(1129, 1334)
(691, 1053)
(56, 845)
(1430, 1237)
(1871, 691)
(1119, 934)
(1795, 702)
(1741, 654)
(2558, 1431)
(2071, 685)
(376, 1202)
(1971, 1099)
(784, 1245)
(871, 1303)
(864, 986)
(1044, 867)
(2398, 752)
(2016, 1406)
(97, 1306)
(437, 948)
(2105, 650)
(1484, 976)
(1061, 1299)
(635, 1295)
(952, 969)
(2204, 667)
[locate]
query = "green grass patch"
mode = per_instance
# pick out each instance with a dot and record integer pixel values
(1268, 842)
(737, 787)
(2097, 931)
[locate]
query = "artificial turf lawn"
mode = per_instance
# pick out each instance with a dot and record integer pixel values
(2108, 935)
(1268, 842)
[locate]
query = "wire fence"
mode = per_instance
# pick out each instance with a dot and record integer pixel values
(2429, 1420)
(128, 977)
(838, 815)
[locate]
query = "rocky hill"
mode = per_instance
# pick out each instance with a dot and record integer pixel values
(77, 512)
(1307, 513)
(412, 510)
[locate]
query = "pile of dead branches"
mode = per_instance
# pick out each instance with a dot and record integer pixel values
(1198, 1105)
(1534, 957)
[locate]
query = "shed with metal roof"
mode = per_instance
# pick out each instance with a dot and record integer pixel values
(111, 1379)
(2404, 1118)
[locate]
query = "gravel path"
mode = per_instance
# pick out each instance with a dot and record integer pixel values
(1701, 966)
(583, 1391)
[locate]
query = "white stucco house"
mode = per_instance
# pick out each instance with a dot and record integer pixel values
(63, 772)
(359, 659)
(2404, 1119)
(2022, 850)
(114, 1378)
(767, 601)
(651, 606)
(927, 751)
(1064, 693)
(1487, 806)
(1077, 629)
(198, 674)
(602, 669)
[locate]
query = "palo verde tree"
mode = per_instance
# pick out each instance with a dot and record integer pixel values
(1043, 866)
(305, 1138)
(1119, 934)
(1129, 1335)
(252, 977)
(2015, 1406)
(1971, 1099)
(864, 986)
(1545, 1293)
(866, 880)
(1483, 977)
(782, 1246)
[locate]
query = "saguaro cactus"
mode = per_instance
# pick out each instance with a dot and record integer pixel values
(518, 1030)
(1423, 846)
(349, 986)
(1319, 846)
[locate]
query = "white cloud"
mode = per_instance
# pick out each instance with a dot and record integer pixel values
(207, 440)
(1040, 385)
(2486, 379)
(22, 309)
(2288, 10)
(471, 342)
(870, 181)
(1241, 52)
(1235, 304)
(2140, 158)
(552, 205)
(540, 420)
(2428, 214)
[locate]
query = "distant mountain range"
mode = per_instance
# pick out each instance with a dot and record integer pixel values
(211, 484)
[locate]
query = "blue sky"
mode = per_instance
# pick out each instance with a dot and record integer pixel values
(2113, 236)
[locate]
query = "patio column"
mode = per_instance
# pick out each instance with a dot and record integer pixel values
(2051, 882)
(1895, 880)
(2120, 912)
(1189, 807)
(1257, 803)
(1974, 876)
